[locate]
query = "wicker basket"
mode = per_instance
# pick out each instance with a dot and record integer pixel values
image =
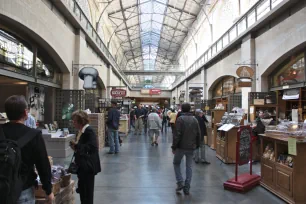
(40, 193)
(65, 180)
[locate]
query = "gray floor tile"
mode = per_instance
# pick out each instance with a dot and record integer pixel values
(142, 174)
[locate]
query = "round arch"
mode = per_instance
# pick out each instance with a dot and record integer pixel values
(30, 34)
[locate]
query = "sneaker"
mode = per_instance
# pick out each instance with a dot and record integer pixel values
(110, 153)
(156, 143)
(186, 190)
(152, 144)
(116, 152)
(179, 187)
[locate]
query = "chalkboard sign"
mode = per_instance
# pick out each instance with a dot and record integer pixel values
(244, 139)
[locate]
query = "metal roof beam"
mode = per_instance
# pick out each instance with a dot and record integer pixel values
(180, 10)
(153, 72)
(126, 8)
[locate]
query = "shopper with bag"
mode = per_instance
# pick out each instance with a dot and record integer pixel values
(86, 157)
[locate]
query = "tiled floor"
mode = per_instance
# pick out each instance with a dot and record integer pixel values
(142, 174)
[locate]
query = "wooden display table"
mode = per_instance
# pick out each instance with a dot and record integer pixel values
(58, 147)
(226, 145)
(65, 196)
(216, 116)
(286, 182)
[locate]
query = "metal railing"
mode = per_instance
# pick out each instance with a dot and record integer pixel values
(74, 8)
(259, 10)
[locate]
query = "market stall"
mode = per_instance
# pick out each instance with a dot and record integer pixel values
(57, 143)
(283, 166)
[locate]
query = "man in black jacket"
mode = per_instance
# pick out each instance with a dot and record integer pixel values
(186, 140)
(33, 153)
(113, 118)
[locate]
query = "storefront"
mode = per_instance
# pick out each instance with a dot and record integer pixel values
(26, 69)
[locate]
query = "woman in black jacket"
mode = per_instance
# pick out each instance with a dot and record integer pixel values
(86, 156)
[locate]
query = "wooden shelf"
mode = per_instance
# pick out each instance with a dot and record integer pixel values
(266, 105)
(281, 179)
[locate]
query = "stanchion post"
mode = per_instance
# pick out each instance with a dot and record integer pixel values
(237, 160)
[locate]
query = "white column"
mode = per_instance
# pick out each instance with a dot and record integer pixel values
(245, 98)
(248, 57)
(203, 81)
(186, 91)
(109, 75)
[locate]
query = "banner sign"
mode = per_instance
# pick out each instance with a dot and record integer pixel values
(150, 91)
(118, 93)
(155, 91)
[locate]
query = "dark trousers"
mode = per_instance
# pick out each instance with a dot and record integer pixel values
(86, 185)
(164, 125)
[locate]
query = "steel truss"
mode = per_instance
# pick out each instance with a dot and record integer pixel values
(150, 33)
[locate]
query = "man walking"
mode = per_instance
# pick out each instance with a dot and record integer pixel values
(154, 125)
(186, 140)
(113, 126)
(200, 153)
(165, 119)
(139, 114)
(33, 153)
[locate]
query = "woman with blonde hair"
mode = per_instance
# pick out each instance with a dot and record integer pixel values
(86, 156)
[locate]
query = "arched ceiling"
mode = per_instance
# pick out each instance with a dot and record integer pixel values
(151, 32)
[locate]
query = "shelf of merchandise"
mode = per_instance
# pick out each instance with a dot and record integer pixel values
(284, 181)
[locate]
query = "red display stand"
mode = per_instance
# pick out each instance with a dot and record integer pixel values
(244, 182)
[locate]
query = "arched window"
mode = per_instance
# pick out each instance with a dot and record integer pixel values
(15, 52)
(291, 71)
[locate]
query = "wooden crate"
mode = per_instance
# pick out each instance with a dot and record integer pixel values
(65, 196)
(97, 122)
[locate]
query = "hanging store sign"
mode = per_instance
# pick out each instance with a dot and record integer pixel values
(245, 74)
(118, 93)
(155, 91)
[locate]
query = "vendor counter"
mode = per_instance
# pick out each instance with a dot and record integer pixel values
(282, 173)
(58, 147)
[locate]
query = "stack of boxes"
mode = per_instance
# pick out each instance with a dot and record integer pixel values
(97, 122)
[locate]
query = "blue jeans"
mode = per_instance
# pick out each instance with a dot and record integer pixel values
(178, 156)
(27, 197)
(113, 140)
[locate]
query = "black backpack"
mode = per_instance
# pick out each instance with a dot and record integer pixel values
(11, 180)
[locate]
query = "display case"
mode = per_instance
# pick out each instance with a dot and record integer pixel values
(265, 102)
(282, 176)
(216, 116)
(226, 140)
(299, 103)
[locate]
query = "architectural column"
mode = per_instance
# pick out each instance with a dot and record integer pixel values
(79, 42)
(177, 101)
(248, 58)
(186, 91)
(205, 91)
(203, 81)
(108, 81)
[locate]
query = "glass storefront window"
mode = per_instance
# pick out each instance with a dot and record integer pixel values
(218, 90)
(225, 87)
(290, 72)
(15, 53)
(228, 85)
